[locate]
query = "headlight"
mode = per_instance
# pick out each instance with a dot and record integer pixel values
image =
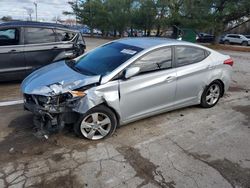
(77, 94)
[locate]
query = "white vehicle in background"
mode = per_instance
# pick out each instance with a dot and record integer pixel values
(236, 39)
(97, 32)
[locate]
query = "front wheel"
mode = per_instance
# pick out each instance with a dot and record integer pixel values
(211, 95)
(98, 123)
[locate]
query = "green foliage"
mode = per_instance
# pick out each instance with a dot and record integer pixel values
(119, 15)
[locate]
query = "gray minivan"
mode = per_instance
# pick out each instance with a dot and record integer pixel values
(27, 46)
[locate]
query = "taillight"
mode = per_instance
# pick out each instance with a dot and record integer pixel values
(229, 62)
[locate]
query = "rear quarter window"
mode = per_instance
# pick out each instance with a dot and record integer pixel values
(65, 35)
(186, 55)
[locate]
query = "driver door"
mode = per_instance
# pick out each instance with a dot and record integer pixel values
(153, 89)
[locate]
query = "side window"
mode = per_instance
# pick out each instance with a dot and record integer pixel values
(187, 55)
(39, 35)
(9, 37)
(156, 60)
(65, 35)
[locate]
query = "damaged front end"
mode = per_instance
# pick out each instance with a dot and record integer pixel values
(59, 95)
(52, 93)
(51, 113)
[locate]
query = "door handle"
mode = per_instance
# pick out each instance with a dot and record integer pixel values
(210, 67)
(55, 47)
(169, 78)
(11, 51)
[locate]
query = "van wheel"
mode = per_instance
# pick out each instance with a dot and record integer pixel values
(227, 42)
(211, 95)
(245, 43)
(98, 123)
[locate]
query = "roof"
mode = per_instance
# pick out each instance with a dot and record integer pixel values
(149, 42)
(31, 23)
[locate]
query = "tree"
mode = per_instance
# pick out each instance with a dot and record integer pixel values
(145, 15)
(162, 14)
(210, 15)
(29, 11)
(6, 18)
(228, 11)
(57, 19)
(118, 15)
(89, 12)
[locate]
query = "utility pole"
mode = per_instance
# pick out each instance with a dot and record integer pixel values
(35, 3)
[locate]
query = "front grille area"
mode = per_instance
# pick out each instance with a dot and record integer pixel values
(35, 99)
(44, 100)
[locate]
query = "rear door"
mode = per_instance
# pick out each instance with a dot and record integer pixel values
(12, 61)
(192, 68)
(41, 47)
(153, 89)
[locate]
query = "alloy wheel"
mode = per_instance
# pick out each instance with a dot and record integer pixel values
(213, 94)
(95, 126)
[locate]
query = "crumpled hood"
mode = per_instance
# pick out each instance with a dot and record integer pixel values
(54, 79)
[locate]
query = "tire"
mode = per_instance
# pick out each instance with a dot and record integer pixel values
(97, 123)
(227, 42)
(211, 95)
(244, 43)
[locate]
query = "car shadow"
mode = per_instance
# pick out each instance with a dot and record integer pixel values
(21, 141)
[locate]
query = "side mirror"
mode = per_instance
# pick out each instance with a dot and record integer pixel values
(132, 71)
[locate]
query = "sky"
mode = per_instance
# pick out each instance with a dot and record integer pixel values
(47, 9)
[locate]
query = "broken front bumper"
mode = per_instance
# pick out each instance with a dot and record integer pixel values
(41, 105)
(51, 113)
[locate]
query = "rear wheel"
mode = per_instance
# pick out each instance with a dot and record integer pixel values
(211, 95)
(98, 123)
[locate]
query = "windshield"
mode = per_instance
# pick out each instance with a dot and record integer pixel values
(248, 36)
(105, 59)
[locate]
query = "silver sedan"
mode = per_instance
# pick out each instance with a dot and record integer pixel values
(124, 81)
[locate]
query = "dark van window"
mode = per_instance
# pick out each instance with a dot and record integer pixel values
(65, 35)
(39, 35)
(156, 60)
(187, 55)
(9, 37)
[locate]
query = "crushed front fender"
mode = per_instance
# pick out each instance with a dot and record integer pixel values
(107, 93)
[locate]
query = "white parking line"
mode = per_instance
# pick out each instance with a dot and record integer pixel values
(9, 103)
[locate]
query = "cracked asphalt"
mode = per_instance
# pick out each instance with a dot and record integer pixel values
(191, 147)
